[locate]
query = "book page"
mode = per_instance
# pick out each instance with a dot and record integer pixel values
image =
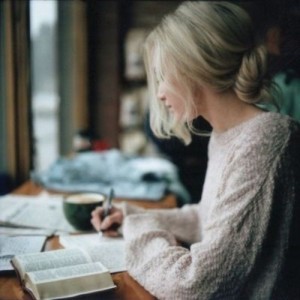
(44, 212)
(68, 282)
(50, 260)
(69, 272)
(66, 272)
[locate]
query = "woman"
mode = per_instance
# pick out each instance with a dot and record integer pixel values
(202, 61)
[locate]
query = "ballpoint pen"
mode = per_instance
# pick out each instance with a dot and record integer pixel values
(108, 204)
(107, 208)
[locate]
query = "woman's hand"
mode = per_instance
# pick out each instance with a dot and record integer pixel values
(109, 224)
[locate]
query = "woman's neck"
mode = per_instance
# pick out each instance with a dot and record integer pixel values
(226, 110)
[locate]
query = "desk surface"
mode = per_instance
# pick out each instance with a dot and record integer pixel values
(127, 287)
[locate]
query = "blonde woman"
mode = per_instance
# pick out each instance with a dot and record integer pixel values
(243, 235)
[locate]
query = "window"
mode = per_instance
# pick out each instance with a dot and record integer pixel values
(45, 98)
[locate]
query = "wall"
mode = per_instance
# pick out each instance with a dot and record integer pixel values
(104, 68)
(108, 23)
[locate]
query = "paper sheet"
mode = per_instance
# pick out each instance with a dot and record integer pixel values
(110, 251)
(11, 246)
(34, 211)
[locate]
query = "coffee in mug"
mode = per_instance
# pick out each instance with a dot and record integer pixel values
(78, 207)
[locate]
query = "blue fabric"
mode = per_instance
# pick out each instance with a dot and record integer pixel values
(290, 92)
(130, 176)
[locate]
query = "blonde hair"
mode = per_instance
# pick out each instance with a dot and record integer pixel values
(204, 43)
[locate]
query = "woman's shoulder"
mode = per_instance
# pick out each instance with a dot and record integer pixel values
(266, 126)
(265, 135)
(259, 139)
(268, 137)
(269, 126)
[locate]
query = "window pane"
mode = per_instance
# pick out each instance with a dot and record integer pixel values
(45, 98)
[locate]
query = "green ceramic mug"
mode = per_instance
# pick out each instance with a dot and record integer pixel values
(78, 207)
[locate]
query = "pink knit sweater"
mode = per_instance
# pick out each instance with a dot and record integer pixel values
(243, 238)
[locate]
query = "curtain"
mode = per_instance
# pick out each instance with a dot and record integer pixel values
(16, 95)
(72, 68)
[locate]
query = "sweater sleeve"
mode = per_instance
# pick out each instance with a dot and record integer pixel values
(218, 265)
(213, 267)
(182, 222)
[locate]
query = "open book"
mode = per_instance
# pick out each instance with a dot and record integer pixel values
(69, 272)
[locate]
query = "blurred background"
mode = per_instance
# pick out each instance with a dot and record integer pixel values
(72, 79)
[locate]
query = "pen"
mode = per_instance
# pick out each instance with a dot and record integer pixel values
(107, 207)
(108, 204)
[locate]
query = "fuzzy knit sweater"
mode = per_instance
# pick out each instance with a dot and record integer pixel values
(244, 233)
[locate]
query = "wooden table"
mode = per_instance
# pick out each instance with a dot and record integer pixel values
(127, 287)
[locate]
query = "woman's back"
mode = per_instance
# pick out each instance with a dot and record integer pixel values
(252, 196)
